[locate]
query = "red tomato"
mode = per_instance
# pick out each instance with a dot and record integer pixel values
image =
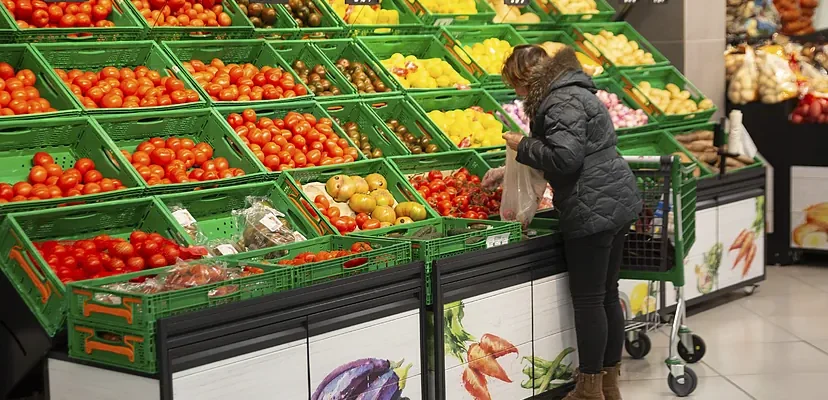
(137, 237)
(162, 156)
(135, 264)
(92, 265)
(43, 159)
(92, 176)
(123, 250)
(171, 253)
(157, 261)
(38, 174)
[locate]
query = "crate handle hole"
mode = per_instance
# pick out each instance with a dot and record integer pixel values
(150, 120)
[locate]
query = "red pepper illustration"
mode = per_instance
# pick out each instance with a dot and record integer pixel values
(475, 384)
(496, 345)
(485, 363)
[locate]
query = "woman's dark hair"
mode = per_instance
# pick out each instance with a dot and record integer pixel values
(518, 67)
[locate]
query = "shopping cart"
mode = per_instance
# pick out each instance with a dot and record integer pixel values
(654, 252)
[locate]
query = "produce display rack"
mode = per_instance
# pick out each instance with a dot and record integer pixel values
(399, 306)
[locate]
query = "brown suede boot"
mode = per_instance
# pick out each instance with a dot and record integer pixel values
(587, 387)
(610, 386)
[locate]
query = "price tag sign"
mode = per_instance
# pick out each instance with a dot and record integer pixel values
(497, 240)
(280, 2)
(516, 3)
(362, 2)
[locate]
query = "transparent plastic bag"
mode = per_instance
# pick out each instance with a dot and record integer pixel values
(777, 82)
(264, 226)
(523, 189)
(744, 83)
(188, 222)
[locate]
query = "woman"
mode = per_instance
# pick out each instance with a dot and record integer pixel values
(573, 143)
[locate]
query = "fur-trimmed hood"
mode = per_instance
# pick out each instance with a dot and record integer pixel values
(562, 69)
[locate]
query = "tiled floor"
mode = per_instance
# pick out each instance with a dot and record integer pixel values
(772, 345)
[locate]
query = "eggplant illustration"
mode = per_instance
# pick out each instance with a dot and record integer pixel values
(364, 379)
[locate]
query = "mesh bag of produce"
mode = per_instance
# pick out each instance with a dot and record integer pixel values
(777, 82)
(744, 83)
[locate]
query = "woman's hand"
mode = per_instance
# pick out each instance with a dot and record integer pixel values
(512, 139)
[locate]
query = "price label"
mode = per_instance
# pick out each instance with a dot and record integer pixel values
(183, 217)
(299, 237)
(362, 2)
(281, 2)
(497, 240)
(226, 249)
(516, 3)
(271, 222)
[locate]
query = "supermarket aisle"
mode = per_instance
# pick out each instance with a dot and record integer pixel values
(769, 346)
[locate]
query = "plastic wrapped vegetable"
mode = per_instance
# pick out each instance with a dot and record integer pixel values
(622, 116)
(264, 226)
(188, 222)
(743, 87)
(777, 82)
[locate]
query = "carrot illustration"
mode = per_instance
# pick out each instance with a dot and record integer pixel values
(485, 363)
(749, 260)
(475, 384)
(740, 240)
(747, 243)
(496, 346)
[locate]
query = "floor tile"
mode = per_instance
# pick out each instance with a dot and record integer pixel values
(783, 386)
(796, 304)
(778, 283)
(766, 358)
(805, 327)
(709, 388)
(744, 326)
(820, 344)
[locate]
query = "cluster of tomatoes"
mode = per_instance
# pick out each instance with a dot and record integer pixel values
(243, 82)
(126, 88)
(104, 256)
(43, 14)
(178, 160)
(297, 141)
(343, 223)
(18, 95)
(310, 257)
(48, 180)
(183, 12)
(457, 195)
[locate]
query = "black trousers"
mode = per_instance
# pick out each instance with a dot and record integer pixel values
(594, 263)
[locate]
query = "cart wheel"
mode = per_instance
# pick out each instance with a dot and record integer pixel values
(750, 290)
(683, 389)
(699, 348)
(640, 347)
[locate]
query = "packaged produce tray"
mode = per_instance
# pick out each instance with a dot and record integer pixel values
(283, 27)
(369, 125)
(279, 112)
(239, 28)
(127, 27)
(116, 328)
(611, 86)
(461, 100)
(384, 254)
(212, 210)
(455, 38)
(256, 52)
(294, 184)
(658, 143)
(605, 13)
(96, 56)
(27, 270)
(408, 23)
(406, 113)
(304, 50)
(617, 28)
(709, 126)
(22, 56)
(659, 78)
(66, 140)
(448, 237)
(545, 20)
(420, 46)
(484, 14)
(200, 125)
(351, 50)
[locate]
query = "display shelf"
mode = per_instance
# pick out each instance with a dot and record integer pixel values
(284, 27)
(604, 13)
(483, 14)
(127, 27)
(239, 28)
(351, 50)
(660, 77)
(407, 24)
(403, 110)
(375, 131)
(617, 28)
(294, 51)
(456, 38)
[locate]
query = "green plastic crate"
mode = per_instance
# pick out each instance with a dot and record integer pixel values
(541, 36)
(402, 109)
(278, 112)
(335, 49)
(131, 349)
(484, 14)
(37, 284)
(91, 303)
(494, 159)
(201, 125)
(8, 27)
(546, 21)
(67, 140)
(540, 227)
(657, 143)
(240, 27)
(605, 13)
(379, 136)
(454, 38)
(213, 210)
(659, 78)
(420, 46)
(21, 56)
(617, 28)
(284, 28)
(611, 86)
(462, 100)
(305, 51)
(256, 52)
(291, 183)
(127, 27)
(384, 254)
(96, 56)
(408, 24)
(710, 126)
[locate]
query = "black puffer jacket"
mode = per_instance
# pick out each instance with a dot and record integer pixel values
(573, 143)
